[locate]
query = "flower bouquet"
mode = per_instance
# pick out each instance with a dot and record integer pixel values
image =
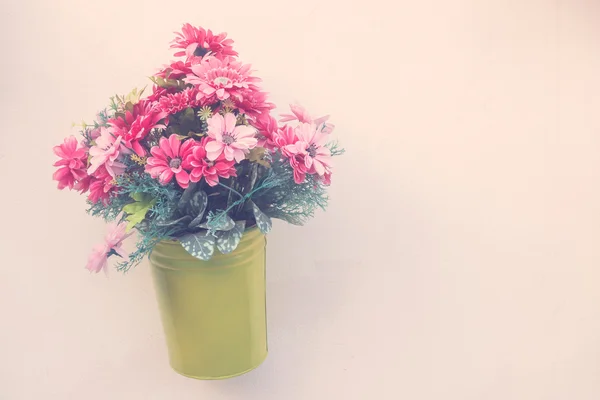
(199, 167)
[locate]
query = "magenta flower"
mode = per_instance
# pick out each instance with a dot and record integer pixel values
(222, 78)
(197, 42)
(299, 113)
(266, 127)
(72, 164)
(232, 141)
(101, 185)
(167, 159)
(254, 103)
(107, 152)
(136, 125)
(176, 102)
(200, 166)
(175, 70)
(112, 244)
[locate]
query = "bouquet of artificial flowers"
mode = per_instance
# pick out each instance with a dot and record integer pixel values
(198, 160)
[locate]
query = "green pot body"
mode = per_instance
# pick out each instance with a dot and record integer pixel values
(213, 312)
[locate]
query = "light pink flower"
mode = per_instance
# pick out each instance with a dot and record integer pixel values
(200, 166)
(299, 113)
(222, 79)
(137, 124)
(305, 148)
(311, 145)
(108, 152)
(167, 159)
(112, 244)
(232, 141)
(197, 42)
(72, 164)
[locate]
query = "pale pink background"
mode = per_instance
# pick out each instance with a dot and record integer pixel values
(459, 258)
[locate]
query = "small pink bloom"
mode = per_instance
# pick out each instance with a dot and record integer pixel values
(299, 113)
(113, 244)
(254, 103)
(199, 165)
(176, 102)
(107, 152)
(72, 164)
(228, 139)
(176, 70)
(167, 159)
(311, 147)
(305, 148)
(266, 127)
(222, 79)
(101, 186)
(136, 125)
(197, 43)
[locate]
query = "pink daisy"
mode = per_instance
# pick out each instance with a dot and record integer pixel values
(254, 103)
(167, 159)
(266, 127)
(113, 244)
(222, 78)
(228, 139)
(135, 126)
(299, 113)
(197, 42)
(305, 148)
(72, 164)
(101, 185)
(173, 103)
(199, 165)
(175, 70)
(107, 152)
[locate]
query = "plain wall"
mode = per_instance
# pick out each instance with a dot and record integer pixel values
(459, 257)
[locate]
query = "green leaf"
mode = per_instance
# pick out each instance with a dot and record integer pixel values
(263, 221)
(218, 222)
(227, 241)
(182, 220)
(137, 210)
(197, 204)
(200, 245)
(185, 198)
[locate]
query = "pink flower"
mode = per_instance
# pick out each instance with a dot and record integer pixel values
(173, 103)
(72, 164)
(232, 141)
(158, 92)
(112, 244)
(167, 159)
(222, 78)
(299, 113)
(267, 127)
(254, 103)
(176, 70)
(311, 145)
(107, 152)
(101, 186)
(305, 148)
(198, 42)
(199, 165)
(136, 125)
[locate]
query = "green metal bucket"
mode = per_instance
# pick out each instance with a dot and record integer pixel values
(213, 312)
